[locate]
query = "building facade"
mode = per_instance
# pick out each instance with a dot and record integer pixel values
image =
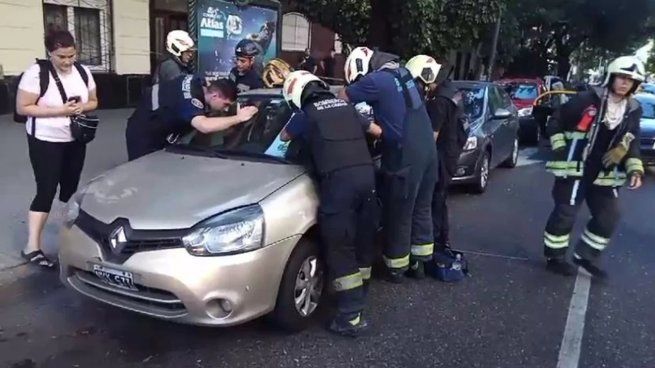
(121, 41)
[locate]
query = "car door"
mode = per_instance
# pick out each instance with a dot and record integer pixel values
(502, 140)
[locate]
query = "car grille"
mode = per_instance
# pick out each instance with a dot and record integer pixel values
(151, 301)
(137, 240)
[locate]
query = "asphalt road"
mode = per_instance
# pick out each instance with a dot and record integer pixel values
(509, 313)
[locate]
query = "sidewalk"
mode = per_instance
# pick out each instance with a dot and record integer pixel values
(17, 180)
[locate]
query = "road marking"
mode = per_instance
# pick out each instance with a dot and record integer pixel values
(493, 255)
(569, 351)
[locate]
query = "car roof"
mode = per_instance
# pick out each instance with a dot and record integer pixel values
(520, 80)
(278, 91)
(472, 84)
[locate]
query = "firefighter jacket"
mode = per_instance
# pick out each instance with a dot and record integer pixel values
(574, 131)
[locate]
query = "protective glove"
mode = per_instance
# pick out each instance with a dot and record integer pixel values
(616, 155)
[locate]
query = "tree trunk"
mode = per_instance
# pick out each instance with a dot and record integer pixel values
(379, 31)
(563, 66)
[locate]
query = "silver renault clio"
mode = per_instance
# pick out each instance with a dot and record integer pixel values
(215, 230)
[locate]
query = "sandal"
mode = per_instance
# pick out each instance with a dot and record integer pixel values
(37, 258)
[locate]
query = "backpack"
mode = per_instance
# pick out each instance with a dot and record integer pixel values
(44, 81)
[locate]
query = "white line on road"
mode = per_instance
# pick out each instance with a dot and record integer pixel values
(569, 351)
(524, 157)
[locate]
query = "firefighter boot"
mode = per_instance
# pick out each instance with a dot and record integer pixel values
(589, 267)
(560, 266)
(349, 325)
(416, 270)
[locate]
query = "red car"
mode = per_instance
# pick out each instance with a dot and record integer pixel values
(523, 92)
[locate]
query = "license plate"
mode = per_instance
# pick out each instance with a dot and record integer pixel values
(113, 277)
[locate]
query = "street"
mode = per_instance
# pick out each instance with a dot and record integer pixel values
(509, 313)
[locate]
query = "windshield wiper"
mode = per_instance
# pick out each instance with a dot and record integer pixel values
(257, 155)
(199, 150)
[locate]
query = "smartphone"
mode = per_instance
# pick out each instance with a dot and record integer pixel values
(75, 99)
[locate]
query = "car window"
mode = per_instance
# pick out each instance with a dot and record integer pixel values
(495, 100)
(473, 99)
(507, 101)
(259, 135)
(648, 108)
(525, 92)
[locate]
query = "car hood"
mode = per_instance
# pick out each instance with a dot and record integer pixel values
(647, 127)
(175, 191)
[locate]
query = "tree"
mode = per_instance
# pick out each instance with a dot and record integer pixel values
(555, 29)
(404, 27)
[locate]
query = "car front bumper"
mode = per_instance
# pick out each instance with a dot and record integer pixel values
(467, 167)
(176, 286)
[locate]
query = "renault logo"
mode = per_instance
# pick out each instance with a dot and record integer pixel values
(117, 238)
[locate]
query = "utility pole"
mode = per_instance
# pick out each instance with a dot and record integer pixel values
(494, 45)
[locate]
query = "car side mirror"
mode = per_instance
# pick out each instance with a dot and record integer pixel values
(502, 114)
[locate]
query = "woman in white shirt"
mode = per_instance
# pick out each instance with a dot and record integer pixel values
(57, 159)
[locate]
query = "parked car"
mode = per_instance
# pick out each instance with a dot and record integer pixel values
(523, 93)
(215, 233)
(647, 101)
(648, 88)
(544, 107)
(493, 135)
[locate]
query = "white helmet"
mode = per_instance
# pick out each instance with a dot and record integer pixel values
(629, 66)
(358, 63)
(178, 41)
(424, 67)
(295, 85)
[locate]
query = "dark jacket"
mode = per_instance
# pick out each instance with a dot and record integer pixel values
(574, 130)
(170, 68)
(447, 119)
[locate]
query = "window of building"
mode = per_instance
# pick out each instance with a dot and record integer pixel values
(88, 21)
(295, 32)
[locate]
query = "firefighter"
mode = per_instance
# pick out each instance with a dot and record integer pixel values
(275, 72)
(175, 107)
(595, 142)
(335, 135)
(181, 50)
(244, 74)
(408, 157)
(446, 114)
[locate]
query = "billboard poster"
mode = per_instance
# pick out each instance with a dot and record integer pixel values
(222, 24)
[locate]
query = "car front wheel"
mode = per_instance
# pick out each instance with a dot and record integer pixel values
(301, 288)
(482, 177)
(513, 159)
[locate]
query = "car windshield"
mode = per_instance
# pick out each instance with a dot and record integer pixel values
(524, 91)
(648, 107)
(257, 138)
(473, 98)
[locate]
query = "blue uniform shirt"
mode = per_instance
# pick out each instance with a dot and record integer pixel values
(381, 90)
(180, 100)
(247, 81)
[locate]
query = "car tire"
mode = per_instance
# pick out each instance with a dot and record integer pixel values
(513, 159)
(293, 312)
(482, 176)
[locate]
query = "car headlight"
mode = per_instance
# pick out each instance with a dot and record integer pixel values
(237, 231)
(471, 144)
(526, 111)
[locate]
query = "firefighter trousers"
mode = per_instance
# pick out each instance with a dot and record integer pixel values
(407, 210)
(440, 205)
(568, 195)
(348, 221)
